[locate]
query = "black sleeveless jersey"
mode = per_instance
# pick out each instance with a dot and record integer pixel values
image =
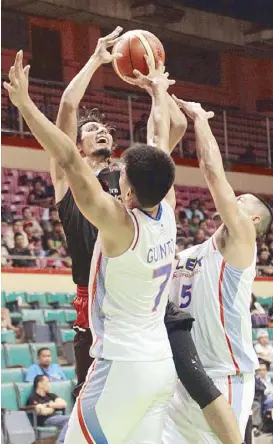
(81, 235)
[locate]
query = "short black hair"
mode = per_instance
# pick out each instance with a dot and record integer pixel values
(26, 208)
(17, 220)
(150, 172)
(266, 225)
(17, 235)
(51, 209)
(93, 115)
(36, 381)
(41, 350)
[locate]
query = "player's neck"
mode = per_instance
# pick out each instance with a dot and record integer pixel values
(151, 211)
(98, 163)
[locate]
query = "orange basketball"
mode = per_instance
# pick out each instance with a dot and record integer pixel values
(134, 45)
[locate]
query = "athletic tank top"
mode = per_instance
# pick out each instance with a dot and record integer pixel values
(81, 235)
(218, 297)
(128, 294)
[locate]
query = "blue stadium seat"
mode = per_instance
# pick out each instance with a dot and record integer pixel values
(70, 316)
(35, 347)
(13, 296)
(18, 355)
(12, 375)
(63, 389)
(55, 316)
(8, 336)
(67, 335)
(36, 298)
(69, 371)
(36, 315)
(56, 298)
(70, 297)
(23, 390)
(8, 396)
(3, 357)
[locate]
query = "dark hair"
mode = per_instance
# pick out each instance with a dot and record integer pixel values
(150, 172)
(56, 222)
(17, 220)
(17, 235)
(262, 361)
(266, 225)
(38, 180)
(41, 350)
(93, 115)
(51, 209)
(270, 310)
(252, 303)
(36, 381)
(26, 208)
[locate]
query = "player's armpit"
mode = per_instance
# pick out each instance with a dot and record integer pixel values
(58, 179)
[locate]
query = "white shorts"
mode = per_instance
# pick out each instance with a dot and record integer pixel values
(123, 402)
(186, 423)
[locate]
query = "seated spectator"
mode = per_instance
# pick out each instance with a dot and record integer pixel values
(29, 219)
(48, 221)
(55, 239)
(249, 155)
(203, 226)
(191, 211)
(255, 306)
(266, 386)
(5, 261)
(263, 347)
(57, 261)
(20, 250)
(48, 406)
(265, 262)
(217, 220)
(140, 129)
(45, 367)
(17, 228)
(201, 211)
(6, 323)
(199, 237)
(270, 316)
(38, 195)
(6, 215)
(194, 225)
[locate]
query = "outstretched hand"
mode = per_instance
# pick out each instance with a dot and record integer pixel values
(18, 86)
(193, 109)
(157, 76)
(104, 43)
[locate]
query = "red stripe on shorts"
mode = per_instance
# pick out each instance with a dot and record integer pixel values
(85, 431)
(223, 318)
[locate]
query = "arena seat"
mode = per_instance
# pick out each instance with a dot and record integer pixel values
(64, 390)
(67, 335)
(55, 315)
(70, 297)
(12, 375)
(265, 301)
(36, 315)
(3, 357)
(34, 325)
(36, 298)
(23, 390)
(34, 347)
(17, 355)
(8, 337)
(70, 316)
(56, 298)
(69, 371)
(8, 396)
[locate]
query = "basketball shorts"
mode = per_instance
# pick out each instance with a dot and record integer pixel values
(82, 344)
(123, 402)
(186, 423)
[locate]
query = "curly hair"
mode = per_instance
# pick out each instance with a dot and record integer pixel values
(93, 115)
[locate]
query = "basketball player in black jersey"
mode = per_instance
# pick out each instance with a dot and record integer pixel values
(95, 142)
(174, 318)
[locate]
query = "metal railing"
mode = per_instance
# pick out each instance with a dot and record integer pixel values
(243, 138)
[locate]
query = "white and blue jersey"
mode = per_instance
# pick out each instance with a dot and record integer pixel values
(129, 293)
(218, 297)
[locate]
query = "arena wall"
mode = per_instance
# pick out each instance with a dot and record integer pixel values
(38, 160)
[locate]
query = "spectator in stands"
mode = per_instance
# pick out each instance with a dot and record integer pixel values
(17, 228)
(194, 225)
(45, 367)
(255, 306)
(249, 155)
(46, 406)
(20, 250)
(217, 220)
(265, 260)
(270, 316)
(140, 129)
(203, 226)
(38, 195)
(265, 380)
(53, 216)
(202, 210)
(263, 347)
(199, 237)
(6, 215)
(6, 323)
(5, 261)
(28, 218)
(55, 239)
(270, 247)
(191, 211)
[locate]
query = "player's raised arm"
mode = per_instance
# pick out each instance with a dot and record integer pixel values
(93, 202)
(71, 98)
(237, 222)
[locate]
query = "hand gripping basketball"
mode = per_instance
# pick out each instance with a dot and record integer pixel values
(101, 51)
(156, 76)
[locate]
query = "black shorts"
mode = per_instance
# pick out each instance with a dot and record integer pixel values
(82, 344)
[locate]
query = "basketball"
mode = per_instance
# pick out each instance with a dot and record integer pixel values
(134, 45)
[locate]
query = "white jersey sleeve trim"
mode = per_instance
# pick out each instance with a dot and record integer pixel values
(136, 225)
(216, 249)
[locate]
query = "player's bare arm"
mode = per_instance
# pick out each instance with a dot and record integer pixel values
(238, 223)
(71, 98)
(178, 121)
(101, 209)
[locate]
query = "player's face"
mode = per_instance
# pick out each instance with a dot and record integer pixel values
(96, 139)
(127, 196)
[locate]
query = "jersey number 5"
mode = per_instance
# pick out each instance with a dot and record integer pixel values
(185, 296)
(162, 271)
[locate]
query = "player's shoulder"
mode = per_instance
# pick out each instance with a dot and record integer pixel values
(184, 254)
